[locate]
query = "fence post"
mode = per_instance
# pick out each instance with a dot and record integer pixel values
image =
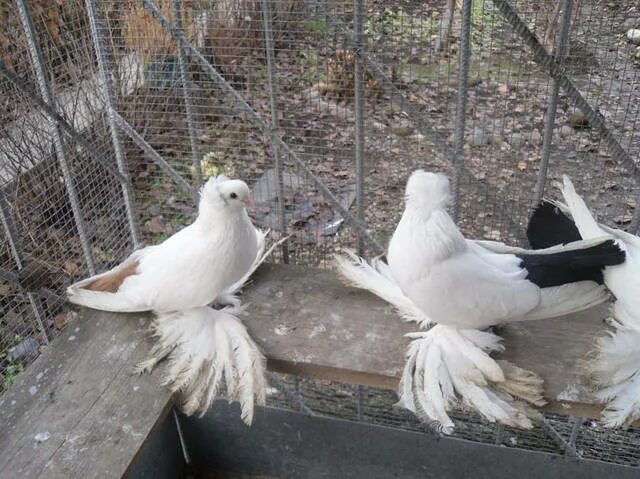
(358, 86)
(185, 79)
(634, 226)
(461, 104)
(257, 120)
(95, 23)
(12, 237)
(275, 122)
(37, 63)
(560, 51)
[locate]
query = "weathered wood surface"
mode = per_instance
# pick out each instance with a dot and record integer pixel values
(78, 411)
(309, 323)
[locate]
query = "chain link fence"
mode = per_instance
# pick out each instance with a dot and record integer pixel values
(114, 112)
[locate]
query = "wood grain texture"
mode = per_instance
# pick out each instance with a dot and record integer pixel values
(309, 323)
(78, 411)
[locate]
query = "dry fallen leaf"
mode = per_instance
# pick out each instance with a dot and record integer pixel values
(71, 267)
(5, 289)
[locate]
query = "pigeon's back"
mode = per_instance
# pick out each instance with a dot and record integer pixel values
(193, 267)
(452, 283)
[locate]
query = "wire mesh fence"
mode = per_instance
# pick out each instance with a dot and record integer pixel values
(113, 113)
(554, 433)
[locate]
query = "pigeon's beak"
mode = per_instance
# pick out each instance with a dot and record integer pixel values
(249, 203)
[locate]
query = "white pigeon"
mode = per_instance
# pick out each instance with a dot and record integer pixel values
(190, 269)
(616, 363)
(460, 283)
(435, 275)
(207, 348)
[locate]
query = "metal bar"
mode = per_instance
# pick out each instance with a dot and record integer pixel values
(259, 122)
(45, 90)
(568, 448)
(546, 61)
(360, 402)
(104, 68)
(419, 120)
(560, 52)
(461, 105)
(12, 278)
(183, 444)
(634, 226)
(295, 396)
(275, 122)
(499, 432)
(154, 155)
(576, 422)
(32, 96)
(11, 233)
(185, 79)
(358, 85)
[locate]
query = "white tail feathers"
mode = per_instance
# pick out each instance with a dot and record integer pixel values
(376, 278)
(615, 365)
(616, 371)
(567, 299)
(447, 366)
(582, 217)
(206, 349)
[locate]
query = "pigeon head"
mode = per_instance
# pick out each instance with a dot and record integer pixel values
(222, 193)
(427, 191)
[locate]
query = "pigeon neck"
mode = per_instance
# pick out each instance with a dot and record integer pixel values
(420, 210)
(209, 216)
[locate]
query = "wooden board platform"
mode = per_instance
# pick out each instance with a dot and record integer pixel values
(309, 323)
(78, 411)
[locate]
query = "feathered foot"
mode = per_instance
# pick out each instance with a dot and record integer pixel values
(207, 348)
(227, 300)
(615, 366)
(446, 367)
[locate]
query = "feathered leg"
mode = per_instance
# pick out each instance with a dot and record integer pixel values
(204, 347)
(446, 366)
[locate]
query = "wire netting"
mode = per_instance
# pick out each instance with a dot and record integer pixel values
(377, 407)
(293, 106)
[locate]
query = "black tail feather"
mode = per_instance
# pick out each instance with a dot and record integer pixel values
(549, 226)
(547, 270)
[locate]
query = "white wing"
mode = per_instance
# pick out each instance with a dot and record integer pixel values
(107, 301)
(481, 293)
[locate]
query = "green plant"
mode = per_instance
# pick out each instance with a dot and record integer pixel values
(10, 374)
(316, 26)
(12, 370)
(401, 26)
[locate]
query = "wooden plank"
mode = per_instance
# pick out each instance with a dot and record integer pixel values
(309, 323)
(78, 411)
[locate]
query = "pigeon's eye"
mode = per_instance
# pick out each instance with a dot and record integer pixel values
(233, 196)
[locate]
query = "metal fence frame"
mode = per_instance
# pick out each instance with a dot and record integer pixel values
(188, 52)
